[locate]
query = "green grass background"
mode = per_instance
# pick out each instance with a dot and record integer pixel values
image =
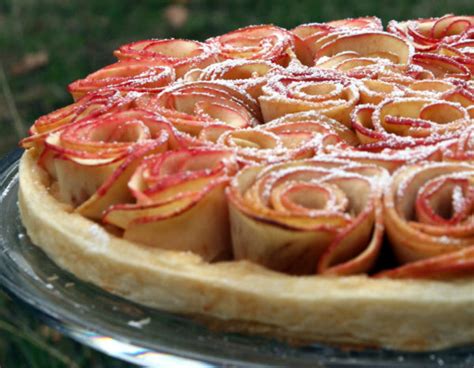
(71, 38)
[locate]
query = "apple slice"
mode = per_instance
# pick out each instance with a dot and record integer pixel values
(461, 149)
(429, 34)
(248, 75)
(310, 33)
(149, 76)
(293, 136)
(183, 55)
(442, 66)
(457, 264)
(89, 106)
(262, 42)
(369, 44)
(451, 25)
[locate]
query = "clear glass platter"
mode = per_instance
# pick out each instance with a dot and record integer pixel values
(151, 337)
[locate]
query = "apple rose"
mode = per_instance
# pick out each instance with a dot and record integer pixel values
(442, 66)
(180, 203)
(300, 130)
(390, 158)
(192, 106)
(293, 136)
(306, 216)
(89, 106)
(356, 23)
(309, 133)
(329, 93)
(462, 51)
(462, 94)
(358, 48)
(253, 145)
(315, 34)
(373, 91)
(183, 55)
(462, 148)
(408, 122)
(428, 216)
(249, 75)
(351, 63)
(427, 34)
(388, 72)
(93, 159)
(436, 88)
(128, 75)
(263, 42)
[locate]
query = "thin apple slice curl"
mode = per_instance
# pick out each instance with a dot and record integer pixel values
(461, 149)
(427, 34)
(262, 42)
(371, 44)
(94, 159)
(311, 33)
(332, 94)
(149, 76)
(113, 190)
(182, 55)
(92, 105)
(293, 136)
(428, 210)
(442, 66)
(176, 191)
(249, 75)
(192, 106)
(457, 264)
(405, 122)
(306, 216)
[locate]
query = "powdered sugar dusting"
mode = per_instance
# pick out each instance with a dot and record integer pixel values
(99, 237)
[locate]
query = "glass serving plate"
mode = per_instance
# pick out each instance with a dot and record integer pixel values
(150, 337)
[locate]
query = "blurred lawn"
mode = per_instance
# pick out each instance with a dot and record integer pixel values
(46, 44)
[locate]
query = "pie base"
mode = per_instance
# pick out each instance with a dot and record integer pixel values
(409, 315)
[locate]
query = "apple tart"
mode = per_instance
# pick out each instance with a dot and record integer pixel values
(315, 184)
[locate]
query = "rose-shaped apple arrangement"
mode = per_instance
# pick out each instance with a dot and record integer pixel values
(332, 149)
(126, 76)
(409, 122)
(182, 55)
(93, 159)
(332, 94)
(193, 106)
(428, 213)
(178, 190)
(308, 216)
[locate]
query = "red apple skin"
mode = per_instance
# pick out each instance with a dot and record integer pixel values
(457, 264)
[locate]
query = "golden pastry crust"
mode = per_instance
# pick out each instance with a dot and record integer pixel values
(414, 315)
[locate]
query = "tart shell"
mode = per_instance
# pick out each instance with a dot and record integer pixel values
(410, 315)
